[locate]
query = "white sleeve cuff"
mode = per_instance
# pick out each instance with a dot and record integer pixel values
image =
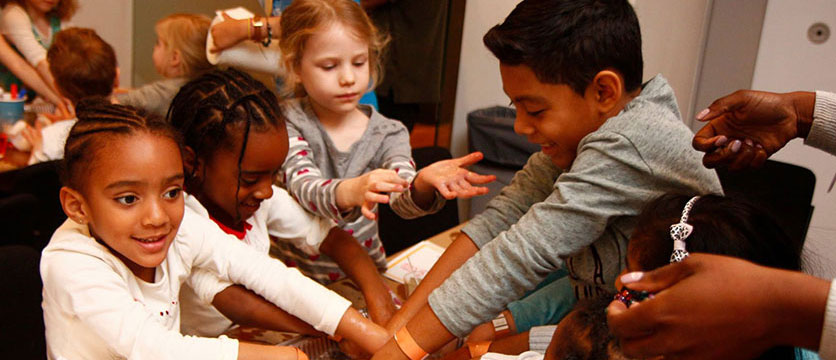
(539, 338)
(823, 129)
(827, 347)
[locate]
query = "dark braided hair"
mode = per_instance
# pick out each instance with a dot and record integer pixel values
(98, 122)
(211, 110)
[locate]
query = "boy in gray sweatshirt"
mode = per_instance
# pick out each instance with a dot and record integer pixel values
(610, 144)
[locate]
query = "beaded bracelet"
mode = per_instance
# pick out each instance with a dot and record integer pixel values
(408, 346)
(269, 38)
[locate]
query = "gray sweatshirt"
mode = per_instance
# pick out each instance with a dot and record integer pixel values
(154, 97)
(315, 167)
(580, 218)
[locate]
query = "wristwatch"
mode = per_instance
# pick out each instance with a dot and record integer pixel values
(258, 23)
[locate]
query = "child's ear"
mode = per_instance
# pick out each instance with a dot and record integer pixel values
(116, 79)
(176, 61)
(607, 87)
(74, 205)
(191, 164)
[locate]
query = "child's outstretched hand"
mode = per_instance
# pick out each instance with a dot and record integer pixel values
(452, 179)
(368, 190)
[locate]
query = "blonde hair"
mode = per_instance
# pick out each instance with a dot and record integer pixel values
(303, 18)
(186, 33)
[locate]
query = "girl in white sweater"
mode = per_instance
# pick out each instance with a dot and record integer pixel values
(112, 273)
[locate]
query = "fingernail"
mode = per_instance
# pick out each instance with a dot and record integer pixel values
(750, 142)
(702, 114)
(632, 277)
(735, 146)
(759, 146)
(722, 140)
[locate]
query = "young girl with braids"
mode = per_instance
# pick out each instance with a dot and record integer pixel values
(235, 143)
(112, 272)
(345, 158)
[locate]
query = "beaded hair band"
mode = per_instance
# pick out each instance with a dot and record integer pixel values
(680, 231)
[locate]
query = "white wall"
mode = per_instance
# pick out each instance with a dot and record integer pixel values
(113, 21)
(787, 61)
(673, 38)
(479, 84)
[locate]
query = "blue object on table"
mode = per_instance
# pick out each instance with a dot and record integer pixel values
(11, 111)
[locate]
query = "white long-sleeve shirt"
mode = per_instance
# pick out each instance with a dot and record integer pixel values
(823, 136)
(95, 308)
(17, 27)
(279, 216)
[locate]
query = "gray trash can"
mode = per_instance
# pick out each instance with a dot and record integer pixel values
(491, 131)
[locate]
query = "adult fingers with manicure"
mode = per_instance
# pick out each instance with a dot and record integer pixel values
(746, 127)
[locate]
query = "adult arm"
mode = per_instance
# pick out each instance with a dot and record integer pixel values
(699, 303)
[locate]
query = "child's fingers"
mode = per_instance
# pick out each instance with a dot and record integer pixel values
(373, 197)
(469, 159)
(387, 187)
(476, 178)
(366, 210)
(445, 191)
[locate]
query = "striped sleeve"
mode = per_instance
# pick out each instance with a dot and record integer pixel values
(306, 184)
(402, 203)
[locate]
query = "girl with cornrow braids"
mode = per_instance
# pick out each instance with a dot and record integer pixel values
(235, 143)
(112, 272)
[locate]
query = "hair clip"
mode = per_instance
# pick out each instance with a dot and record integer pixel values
(680, 231)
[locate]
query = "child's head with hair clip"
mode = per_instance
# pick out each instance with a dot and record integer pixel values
(123, 176)
(180, 50)
(235, 142)
(325, 45)
(719, 225)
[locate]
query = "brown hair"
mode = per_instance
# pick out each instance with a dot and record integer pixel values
(64, 10)
(82, 64)
(303, 18)
(186, 33)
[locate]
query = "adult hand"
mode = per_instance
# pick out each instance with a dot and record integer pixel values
(717, 307)
(452, 179)
(228, 33)
(746, 127)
